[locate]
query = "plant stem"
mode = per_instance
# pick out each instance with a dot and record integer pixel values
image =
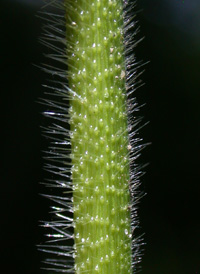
(99, 136)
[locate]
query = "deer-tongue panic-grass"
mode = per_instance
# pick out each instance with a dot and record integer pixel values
(103, 146)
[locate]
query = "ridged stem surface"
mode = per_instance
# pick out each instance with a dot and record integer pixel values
(99, 136)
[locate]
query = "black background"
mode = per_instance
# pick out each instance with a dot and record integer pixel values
(169, 213)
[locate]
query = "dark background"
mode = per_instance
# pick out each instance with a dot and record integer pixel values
(169, 213)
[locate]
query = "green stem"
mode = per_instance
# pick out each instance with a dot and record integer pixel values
(99, 136)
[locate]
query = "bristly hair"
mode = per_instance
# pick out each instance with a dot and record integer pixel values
(60, 230)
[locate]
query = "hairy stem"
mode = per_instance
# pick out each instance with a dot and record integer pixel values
(99, 136)
(94, 143)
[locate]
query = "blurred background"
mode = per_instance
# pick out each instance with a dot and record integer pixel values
(169, 213)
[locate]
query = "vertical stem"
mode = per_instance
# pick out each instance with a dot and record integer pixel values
(99, 136)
